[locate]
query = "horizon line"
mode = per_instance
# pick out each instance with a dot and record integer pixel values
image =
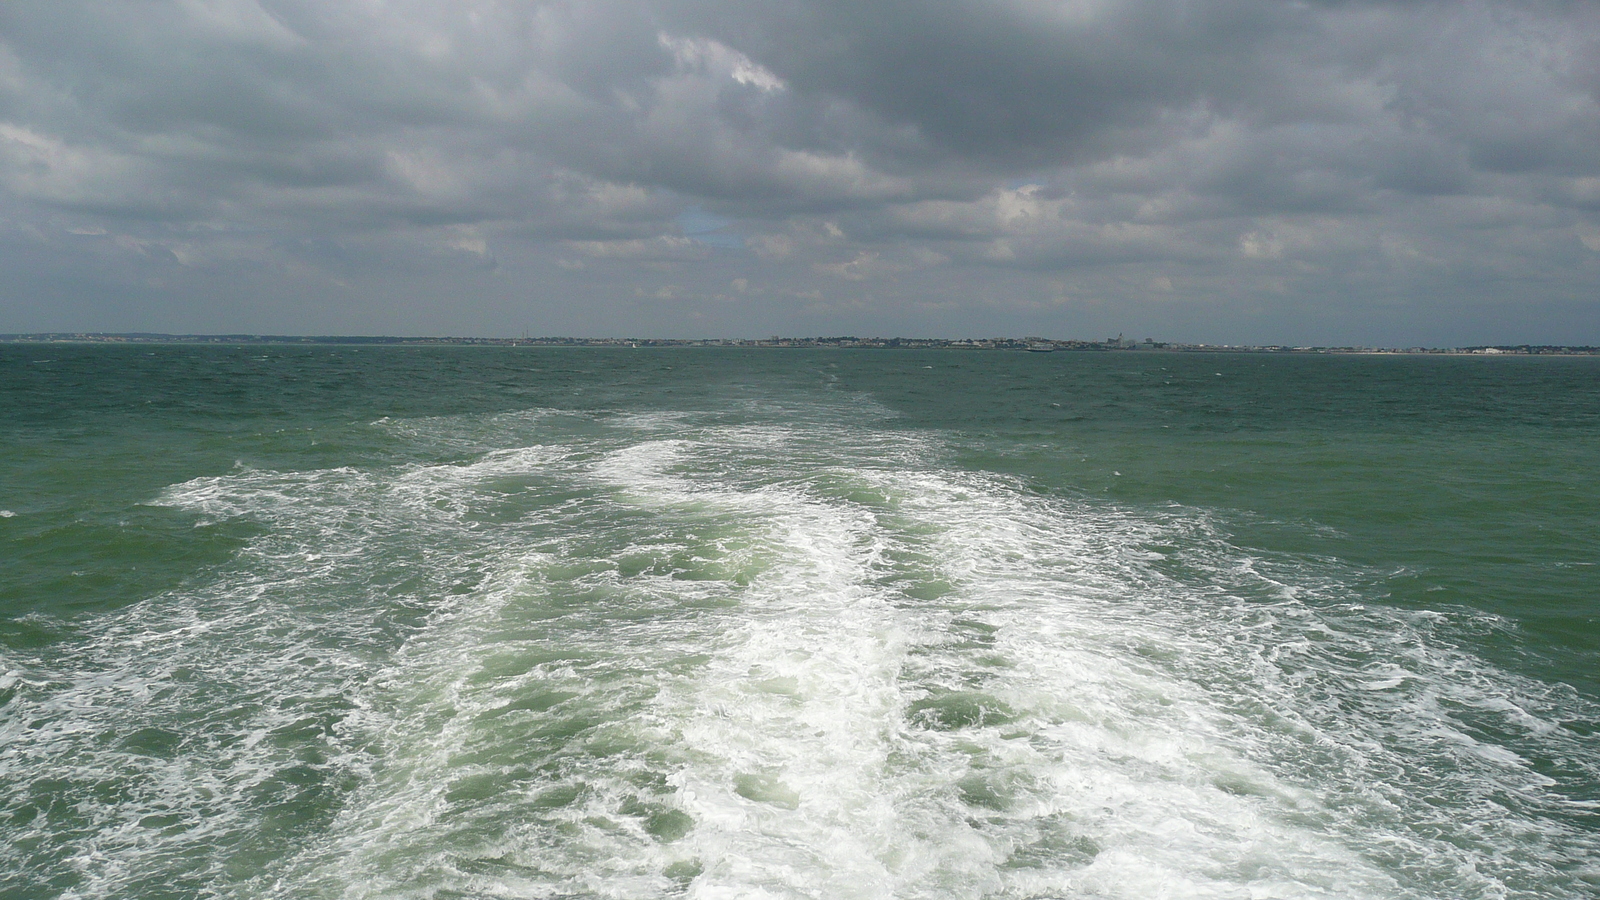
(1029, 342)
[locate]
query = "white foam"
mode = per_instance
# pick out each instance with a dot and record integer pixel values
(668, 655)
(206, 702)
(1170, 703)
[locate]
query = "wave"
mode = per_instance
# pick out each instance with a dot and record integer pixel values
(782, 652)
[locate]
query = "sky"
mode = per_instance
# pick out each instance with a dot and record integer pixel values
(1323, 172)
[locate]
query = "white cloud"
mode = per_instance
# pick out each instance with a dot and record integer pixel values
(1589, 236)
(865, 265)
(663, 247)
(705, 54)
(467, 239)
(1261, 245)
(771, 246)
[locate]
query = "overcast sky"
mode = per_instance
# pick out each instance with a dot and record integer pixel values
(1327, 172)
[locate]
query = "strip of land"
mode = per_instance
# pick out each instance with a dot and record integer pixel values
(1033, 344)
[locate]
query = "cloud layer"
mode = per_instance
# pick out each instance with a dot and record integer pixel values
(1240, 170)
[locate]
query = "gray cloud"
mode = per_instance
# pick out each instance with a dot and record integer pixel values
(1241, 170)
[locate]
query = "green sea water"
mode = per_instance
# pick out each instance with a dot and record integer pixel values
(282, 621)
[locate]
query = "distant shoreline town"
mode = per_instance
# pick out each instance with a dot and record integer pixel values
(1030, 344)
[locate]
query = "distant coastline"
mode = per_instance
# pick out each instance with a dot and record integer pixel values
(1034, 344)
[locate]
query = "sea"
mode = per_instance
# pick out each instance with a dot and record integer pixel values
(324, 621)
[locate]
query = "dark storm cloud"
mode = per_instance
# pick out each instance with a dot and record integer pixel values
(1020, 83)
(946, 167)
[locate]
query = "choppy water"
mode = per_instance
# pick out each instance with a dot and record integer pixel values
(283, 622)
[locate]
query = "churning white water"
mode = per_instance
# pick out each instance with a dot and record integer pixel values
(669, 655)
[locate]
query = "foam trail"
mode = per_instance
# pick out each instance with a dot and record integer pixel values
(775, 653)
(790, 726)
(902, 682)
(1216, 734)
(210, 729)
